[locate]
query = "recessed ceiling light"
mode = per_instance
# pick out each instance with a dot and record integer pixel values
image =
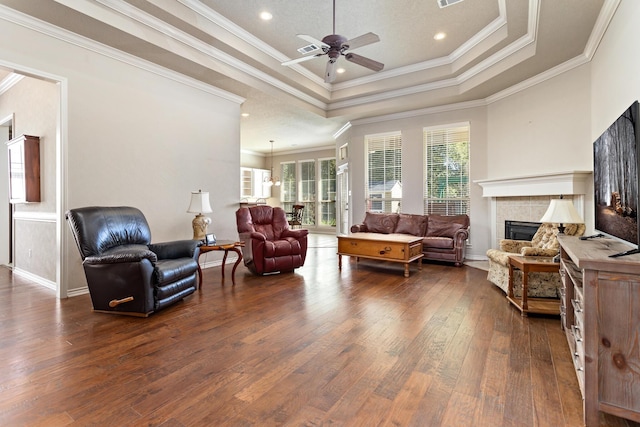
(340, 70)
(245, 114)
(440, 36)
(265, 16)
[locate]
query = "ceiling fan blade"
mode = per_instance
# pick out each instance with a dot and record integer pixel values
(301, 59)
(364, 61)
(313, 40)
(330, 73)
(362, 40)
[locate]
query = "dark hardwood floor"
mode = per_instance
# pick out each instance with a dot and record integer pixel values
(364, 346)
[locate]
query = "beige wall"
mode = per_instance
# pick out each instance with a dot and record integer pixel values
(133, 136)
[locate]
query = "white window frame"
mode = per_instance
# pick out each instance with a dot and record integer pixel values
(450, 203)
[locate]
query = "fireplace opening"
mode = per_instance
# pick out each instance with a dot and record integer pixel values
(520, 230)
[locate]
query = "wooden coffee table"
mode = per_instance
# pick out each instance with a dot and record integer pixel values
(383, 247)
(529, 264)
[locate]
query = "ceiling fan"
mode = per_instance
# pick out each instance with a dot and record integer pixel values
(334, 46)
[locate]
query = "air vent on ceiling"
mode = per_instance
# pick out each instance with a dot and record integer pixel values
(308, 48)
(445, 3)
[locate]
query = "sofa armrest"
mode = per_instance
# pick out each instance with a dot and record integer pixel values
(359, 228)
(514, 246)
(176, 249)
(296, 234)
(122, 255)
(530, 251)
(460, 237)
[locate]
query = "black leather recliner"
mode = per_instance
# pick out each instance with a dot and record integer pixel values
(126, 274)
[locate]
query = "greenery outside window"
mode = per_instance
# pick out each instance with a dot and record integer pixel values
(446, 170)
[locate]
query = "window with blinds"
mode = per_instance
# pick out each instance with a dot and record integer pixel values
(308, 191)
(327, 192)
(384, 172)
(446, 170)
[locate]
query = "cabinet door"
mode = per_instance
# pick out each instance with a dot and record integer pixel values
(618, 309)
(24, 169)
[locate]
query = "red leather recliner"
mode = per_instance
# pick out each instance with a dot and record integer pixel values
(269, 244)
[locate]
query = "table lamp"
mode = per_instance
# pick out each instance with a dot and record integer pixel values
(199, 205)
(561, 211)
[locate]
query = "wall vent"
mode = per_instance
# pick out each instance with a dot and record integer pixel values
(445, 3)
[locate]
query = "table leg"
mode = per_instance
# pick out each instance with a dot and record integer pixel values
(525, 290)
(224, 260)
(510, 287)
(233, 271)
(339, 262)
(406, 269)
(199, 275)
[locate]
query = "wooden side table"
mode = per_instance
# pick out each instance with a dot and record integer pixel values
(528, 265)
(226, 246)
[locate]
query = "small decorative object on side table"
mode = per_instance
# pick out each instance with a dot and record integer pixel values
(226, 246)
(528, 264)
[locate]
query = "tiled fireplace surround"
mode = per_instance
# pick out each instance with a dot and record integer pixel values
(527, 198)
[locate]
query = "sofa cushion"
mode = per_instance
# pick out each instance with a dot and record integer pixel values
(445, 225)
(411, 224)
(380, 222)
(437, 242)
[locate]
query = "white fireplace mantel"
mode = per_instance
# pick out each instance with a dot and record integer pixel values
(573, 182)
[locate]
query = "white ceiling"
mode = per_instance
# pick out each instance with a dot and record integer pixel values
(491, 46)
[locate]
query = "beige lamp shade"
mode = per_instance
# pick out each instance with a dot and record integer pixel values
(199, 205)
(199, 202)
(562, 211)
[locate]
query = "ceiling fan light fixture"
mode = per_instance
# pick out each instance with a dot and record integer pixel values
(334, 46)
(272, 180)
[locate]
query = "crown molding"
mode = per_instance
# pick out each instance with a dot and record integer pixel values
(448, 60)
(63, 35)
(218, 20)
(421, 112)
(342, 130)
(604, 18)
(188, 41)
(10, 81)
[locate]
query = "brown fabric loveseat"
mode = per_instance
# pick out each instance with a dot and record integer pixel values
(444, 236)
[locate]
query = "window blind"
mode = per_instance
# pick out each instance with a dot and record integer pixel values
(446, 170)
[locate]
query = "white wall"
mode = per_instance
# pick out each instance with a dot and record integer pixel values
(134, 137)
(542, 129)
(615, 74)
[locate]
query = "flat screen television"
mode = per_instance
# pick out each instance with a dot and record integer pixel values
(615, 179)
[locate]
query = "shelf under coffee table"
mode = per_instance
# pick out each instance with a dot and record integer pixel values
(402, 248)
